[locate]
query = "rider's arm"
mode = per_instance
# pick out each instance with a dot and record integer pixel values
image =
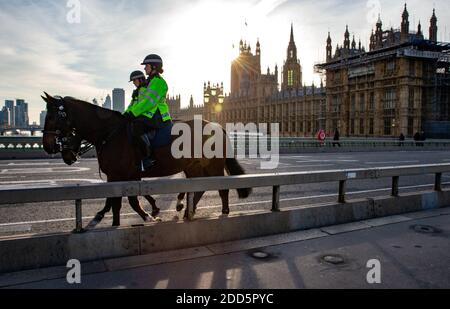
(151, 97)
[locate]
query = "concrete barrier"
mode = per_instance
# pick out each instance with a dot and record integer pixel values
(31, 252)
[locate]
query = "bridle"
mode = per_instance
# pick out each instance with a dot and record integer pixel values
(66, 138)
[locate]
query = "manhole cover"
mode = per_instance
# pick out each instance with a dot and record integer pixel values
(425, 229)
(333, 259)
(260, 255)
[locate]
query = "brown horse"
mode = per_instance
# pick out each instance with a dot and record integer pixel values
(70, 121)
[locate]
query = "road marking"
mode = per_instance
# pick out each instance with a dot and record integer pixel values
(33, 164)
(15, 228)
(44, 170)
(27, 184)
(305, 166)
(313, 161)
(220, 206)
(392, 162)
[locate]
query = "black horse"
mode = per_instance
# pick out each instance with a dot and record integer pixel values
(70, 121)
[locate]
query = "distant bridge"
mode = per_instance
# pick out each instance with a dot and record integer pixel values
(32, 129)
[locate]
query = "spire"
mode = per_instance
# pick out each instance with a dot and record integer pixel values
(292, 33)
(292, 48)
(405, 14)
(353, 43)
(433, 27)
(347, 38)
(329, 47)
(419, 29)
(405, 25)
(433, 17)
(191, 102)
(258, 48)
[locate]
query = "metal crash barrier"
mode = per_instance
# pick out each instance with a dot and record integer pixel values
(79, 193)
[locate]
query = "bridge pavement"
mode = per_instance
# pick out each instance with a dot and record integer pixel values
(57, 217)
(413, 251)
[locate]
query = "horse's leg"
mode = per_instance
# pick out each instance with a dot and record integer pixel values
(224, 195)
(197, 197)
(134, 203)
(155, 209)
(116, 207)
(101, 214)
(180, 200)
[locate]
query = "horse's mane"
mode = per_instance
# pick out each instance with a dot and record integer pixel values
(102, 113)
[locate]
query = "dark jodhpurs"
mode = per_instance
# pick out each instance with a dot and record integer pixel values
(141, 127)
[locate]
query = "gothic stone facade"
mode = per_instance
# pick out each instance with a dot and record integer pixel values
(401, 85)
(256, 97)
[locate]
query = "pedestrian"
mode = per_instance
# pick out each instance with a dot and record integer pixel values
(402, 140)
(336, 138)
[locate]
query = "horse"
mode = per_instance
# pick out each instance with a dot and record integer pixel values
(70, 121)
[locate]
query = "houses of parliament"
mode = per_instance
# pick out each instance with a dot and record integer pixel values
(401, 84)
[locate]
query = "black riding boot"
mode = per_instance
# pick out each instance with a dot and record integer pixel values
(148, 162)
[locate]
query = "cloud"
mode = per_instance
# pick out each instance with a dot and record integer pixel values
(40, 50)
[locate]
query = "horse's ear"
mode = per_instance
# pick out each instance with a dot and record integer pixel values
(49, 99)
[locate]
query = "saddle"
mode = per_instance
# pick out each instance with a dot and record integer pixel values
(159, 138)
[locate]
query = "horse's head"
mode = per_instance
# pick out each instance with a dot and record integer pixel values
(59, 132)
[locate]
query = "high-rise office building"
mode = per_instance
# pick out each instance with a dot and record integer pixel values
(21, 113)
(119, 100)
(42, 118)
(9, 105)
(4, 117)
(107, 104)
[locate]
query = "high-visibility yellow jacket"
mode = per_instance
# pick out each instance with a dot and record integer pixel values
(151, 99)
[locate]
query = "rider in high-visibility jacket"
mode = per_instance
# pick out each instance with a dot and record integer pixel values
(140, 82)
(150, 111)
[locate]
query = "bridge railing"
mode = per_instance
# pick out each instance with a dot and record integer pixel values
(174, 186)
(285, 143)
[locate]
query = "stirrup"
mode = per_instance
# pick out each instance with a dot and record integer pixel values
(147, 164)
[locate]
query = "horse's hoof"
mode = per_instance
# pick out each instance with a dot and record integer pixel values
(158, 219)
(96, 221)
(156, 212)
(226, 212)
(148, 218)
(180, 207)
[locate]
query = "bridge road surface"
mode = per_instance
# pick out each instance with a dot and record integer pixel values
(59, 216)
(413, 251)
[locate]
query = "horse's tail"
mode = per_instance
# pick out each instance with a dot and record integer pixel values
(235, 169)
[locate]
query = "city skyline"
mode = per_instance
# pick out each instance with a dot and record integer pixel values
(81, 61)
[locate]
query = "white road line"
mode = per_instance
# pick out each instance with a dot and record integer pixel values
(392, 162)
(314, 161)
(93, 181)
(220, 206)
(32, 164)
(44, 170)
(302, 166)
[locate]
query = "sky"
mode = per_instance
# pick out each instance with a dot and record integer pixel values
(45, 45)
